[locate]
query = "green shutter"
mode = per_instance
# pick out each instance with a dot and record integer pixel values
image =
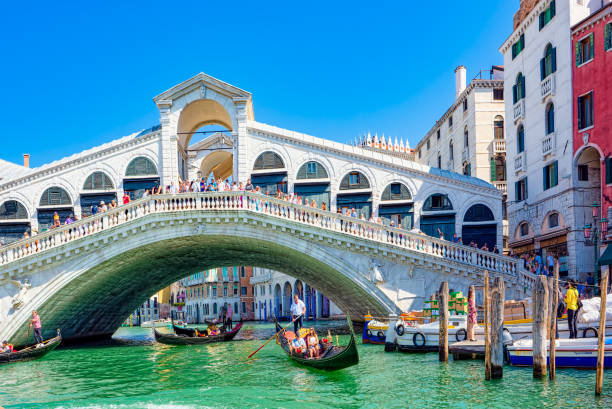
(592, 44)
(493, 173)
(578, 51)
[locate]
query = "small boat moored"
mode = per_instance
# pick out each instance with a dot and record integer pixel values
(31, 352)
(569, 353)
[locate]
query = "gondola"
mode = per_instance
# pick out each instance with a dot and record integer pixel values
(183, 339)
(330, 359)
(30, 353)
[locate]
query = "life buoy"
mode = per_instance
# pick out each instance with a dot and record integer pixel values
(418, 339)
(400, 330)
(369, 332)
(461, 334)
(380, 334)
(586, 331)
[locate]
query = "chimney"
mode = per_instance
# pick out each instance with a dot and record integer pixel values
(459, 80)
(26, 160)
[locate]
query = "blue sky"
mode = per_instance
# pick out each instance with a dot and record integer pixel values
(75, 75)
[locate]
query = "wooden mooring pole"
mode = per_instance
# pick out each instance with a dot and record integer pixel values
(486, 326)
(443, 306)
(552, 364)
(497, 328)
(540, 317)
(603, 290)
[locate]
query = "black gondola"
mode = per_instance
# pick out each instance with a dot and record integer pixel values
(183, 339)
(31, 352)
(330, 359)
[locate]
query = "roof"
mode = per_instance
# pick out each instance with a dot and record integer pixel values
(10, 170)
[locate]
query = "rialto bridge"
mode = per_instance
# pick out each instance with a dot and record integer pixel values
(86, 277)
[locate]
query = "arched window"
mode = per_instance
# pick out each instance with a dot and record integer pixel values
(548, 63)
(396, 191)
(550, 119)
(466, 138)
(354, 180)
(98, 181)
(498, 127)
(13, 210)
(141, 166)
(478, 213)
(520, 139)
(268, 160)
(451, 151)
(312, 170)
(437, 202)
(518, 89)
(55, 196)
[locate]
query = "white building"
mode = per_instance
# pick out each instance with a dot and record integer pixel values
(469, 139)
(274, 293)
(545, 211)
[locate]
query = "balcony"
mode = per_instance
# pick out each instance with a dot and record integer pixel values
(520, 162)
(499, 145)
(501, 185)
(519, 110)
(547, 86)
(465, 155)
(548, 144)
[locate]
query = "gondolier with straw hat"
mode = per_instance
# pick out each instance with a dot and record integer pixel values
(298, 309)
(35, 322)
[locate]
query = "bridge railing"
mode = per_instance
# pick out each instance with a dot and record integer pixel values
(278, 208)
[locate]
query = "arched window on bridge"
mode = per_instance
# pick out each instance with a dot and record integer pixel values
(396, 206)
(14, 221)
(98, 187)
(438, 216)
(312, 183)
(140, 175)
(360, 199)
(269, 173)
(479, 227)
(54, 199)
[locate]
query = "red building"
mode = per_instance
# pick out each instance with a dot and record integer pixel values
(592, 94)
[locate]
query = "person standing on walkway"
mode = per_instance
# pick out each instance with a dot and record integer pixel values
(571, 300)
(298, 309)
(35, 322)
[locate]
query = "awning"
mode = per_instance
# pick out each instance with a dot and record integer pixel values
(606, 258)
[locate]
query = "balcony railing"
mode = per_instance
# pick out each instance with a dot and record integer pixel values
(465, 155)
(519, 110)
(501, 185)
(548, 144)
(499, 145)
(520, 162)
(547, 86)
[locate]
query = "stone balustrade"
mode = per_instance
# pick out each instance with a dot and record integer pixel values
(272, 208)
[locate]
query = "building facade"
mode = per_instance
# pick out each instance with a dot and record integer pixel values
(469, 139)
(274, 293)
(543, 207)
(592, 119)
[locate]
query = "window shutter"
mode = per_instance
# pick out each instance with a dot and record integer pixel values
(592, 44)
(552, 9)
(542, 68)
(493, 173)
(578, 50)
(514, 96)
(554, 59)
(580, 116)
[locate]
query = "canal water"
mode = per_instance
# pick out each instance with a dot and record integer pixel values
(138, 373)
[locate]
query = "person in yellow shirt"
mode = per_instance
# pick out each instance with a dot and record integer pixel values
(571, 300)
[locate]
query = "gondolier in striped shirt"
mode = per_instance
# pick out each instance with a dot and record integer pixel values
(298, 309)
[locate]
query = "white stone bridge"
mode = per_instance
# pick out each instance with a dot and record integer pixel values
(86, 277)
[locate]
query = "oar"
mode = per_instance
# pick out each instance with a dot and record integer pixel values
(272, 337)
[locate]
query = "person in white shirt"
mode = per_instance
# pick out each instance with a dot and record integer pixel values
(298, 309)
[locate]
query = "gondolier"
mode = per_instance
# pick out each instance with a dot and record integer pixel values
(35, 322)
(298, 309)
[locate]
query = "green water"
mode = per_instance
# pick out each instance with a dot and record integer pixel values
(143, 374)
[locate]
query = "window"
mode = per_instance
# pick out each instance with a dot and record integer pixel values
(428, 145)
(548, 63)
(585, 49)
(498, 127)
(520, 188)
(547, 14)
(439, 161)
(450, 121)
(550, 119)
(550, 175)
(585, 110)
(518, 89)
(465, 105)
(498, 94)
(438, 133)
(520, 139)
(553, 220)
(608, 37)
(518, 46)
(55, 196)
(98, 181)
(141, 166)
(268, 160)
